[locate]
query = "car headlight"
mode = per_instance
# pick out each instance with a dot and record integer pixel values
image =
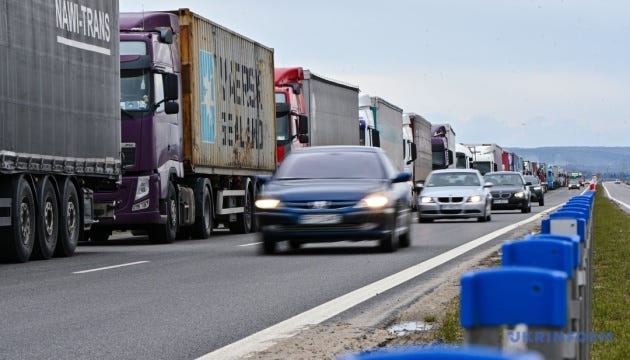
(426, 200)
(519, 194)
(374, 201)
(474, 198)
(267, 203)
(142, 187)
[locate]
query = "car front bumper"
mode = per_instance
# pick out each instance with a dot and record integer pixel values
(451, 210)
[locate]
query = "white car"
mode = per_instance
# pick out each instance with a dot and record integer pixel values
(454, 194)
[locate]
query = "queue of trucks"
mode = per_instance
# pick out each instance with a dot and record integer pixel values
(160, 123)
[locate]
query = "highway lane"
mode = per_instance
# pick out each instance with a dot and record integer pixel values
(183, 300)
(620, 193)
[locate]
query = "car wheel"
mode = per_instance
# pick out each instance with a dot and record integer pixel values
(268, 245)
(541, 202)
(524, 208)
(404, 239)
(390, 242)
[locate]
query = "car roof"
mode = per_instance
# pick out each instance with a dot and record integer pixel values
(339, 148)
(472, 171)
(503, 172)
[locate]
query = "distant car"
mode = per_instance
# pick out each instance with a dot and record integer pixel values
(335, 193)
(536, 189)
(617, 181)
(509, 191)
(453, 194)
(574, 184)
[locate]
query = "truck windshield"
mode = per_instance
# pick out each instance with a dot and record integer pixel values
(134, 90)
(483, 167)
(283, 128)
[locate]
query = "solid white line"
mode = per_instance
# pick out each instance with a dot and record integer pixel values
(290, 327)
(109, 267)
(252, 244)
(614, 199)
(83, 46)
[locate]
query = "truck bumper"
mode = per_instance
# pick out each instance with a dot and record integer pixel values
(128, 211)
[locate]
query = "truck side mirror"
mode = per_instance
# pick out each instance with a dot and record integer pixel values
(376, 138)
(302, 124)
(171, 107)
(450, 157)
(166, 36)
(414, 153)
(296, 88)
(303, 139)
(171, 87)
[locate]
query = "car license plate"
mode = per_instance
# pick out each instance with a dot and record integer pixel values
(450, 207)
(320, 219)
(502, 201)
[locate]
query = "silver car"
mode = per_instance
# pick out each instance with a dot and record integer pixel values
(454, 194)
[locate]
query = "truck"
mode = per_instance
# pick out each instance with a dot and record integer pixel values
(418, 154)
(198, 127)
(487, 157)
(313, 110)
(463, 157)
(60, 137)
(443, 146)
(380, 125)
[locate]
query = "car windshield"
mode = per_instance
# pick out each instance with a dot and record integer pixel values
(452, 179)
(331, 165)
(504, 179)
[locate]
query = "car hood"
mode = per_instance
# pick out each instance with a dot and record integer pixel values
(323, 189)
(447, 191)
(506, 188)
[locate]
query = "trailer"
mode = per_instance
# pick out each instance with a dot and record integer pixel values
(418, 153)
(60, 136)
(198, 127)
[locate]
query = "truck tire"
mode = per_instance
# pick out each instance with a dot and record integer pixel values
(245, 221)
(69, 220)
(20, 240)
(167, 233)
(47, 219)
(203, 204)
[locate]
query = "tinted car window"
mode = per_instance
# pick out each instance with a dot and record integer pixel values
(331, 165)
(504, 179)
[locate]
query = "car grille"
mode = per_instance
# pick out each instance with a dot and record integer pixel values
(451, 199)
(322, 228)
(502, 196)
(335, 204)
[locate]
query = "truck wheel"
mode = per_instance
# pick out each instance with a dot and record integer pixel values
(21, 236)
(203, 223)
(245, 221)
(47, 219)
(69, 220)
(167, 233)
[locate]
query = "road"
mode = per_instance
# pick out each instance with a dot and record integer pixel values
(129, 299)
(619, 193)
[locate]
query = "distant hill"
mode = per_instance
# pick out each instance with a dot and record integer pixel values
(610, 161)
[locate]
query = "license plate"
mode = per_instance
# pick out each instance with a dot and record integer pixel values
(500, 201)
(320, 219)
(450, 207)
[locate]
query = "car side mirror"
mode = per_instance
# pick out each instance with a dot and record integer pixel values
(488, 185)
(528, 183)
(417, 187)
(402, 177)
(263, 179)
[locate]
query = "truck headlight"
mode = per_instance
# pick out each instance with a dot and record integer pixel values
(474, 198)
(142, 187)
(519, 194)
(374, 201)
(267, 203)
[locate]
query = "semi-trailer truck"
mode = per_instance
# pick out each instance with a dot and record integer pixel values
(486, 157)
(443, 146)
(60, 136)
(380, 119)
(313, 110)
(198, 126)
(463, 157)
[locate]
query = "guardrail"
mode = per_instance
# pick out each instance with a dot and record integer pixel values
(536, 305)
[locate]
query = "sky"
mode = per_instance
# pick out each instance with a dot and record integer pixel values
(526, 73)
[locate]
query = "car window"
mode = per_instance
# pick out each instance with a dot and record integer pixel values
(504, 179)
(452, 179)
(331, 165)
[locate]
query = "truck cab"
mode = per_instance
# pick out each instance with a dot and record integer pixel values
(291, 118)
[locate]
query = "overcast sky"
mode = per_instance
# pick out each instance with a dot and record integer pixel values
(525, 73)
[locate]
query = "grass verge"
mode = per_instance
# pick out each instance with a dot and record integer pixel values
(611, 280)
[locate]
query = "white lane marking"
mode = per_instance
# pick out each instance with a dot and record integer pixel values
(110, 267)
(614, 199)
(290, 327)
(252, 244)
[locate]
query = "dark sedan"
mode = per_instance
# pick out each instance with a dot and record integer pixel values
(509, 191)
(536, 189)
(335, 193)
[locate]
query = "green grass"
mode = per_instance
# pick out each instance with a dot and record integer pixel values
(611, 285)
(611, 281)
